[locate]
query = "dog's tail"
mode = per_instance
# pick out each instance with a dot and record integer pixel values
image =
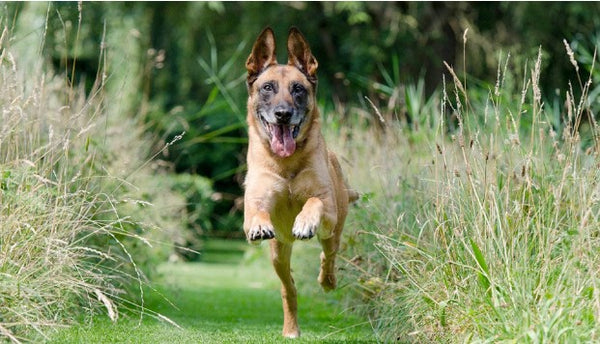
(353, 195)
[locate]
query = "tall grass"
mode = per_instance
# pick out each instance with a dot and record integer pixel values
(485, 230)
(73, 227)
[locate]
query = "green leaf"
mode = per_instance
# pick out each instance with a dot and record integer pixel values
(4, 180)
(483, 277)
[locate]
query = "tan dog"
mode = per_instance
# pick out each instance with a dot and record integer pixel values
(294, 187)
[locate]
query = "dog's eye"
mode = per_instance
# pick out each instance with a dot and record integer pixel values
(297, 88)
(267, 87)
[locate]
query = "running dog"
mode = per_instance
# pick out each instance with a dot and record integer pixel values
(294, 187)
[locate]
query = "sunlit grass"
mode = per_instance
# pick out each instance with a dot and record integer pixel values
(71, 220)
(230, 298)
(483, 233)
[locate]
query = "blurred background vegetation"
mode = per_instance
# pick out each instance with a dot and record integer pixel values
(185, 62)
(123, 135)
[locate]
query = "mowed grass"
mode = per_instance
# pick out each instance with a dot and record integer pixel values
(223, 299)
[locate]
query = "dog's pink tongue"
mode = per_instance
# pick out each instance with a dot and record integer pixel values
(282, 142)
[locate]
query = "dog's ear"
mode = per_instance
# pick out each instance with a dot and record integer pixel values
(299, 55)
(262, 55)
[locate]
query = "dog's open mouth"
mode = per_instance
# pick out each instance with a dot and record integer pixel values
(282, 137)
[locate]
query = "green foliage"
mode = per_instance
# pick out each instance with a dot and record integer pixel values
(583, 54)
(188, 62)
(198, 194)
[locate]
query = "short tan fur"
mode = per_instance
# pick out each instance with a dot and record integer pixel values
(294, 187)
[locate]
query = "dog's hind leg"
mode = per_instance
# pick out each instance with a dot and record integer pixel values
(330, 248)
(327, 277)
(280, 256)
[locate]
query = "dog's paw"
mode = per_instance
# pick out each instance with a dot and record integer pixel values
(305, 227)
(326, 277)
(327, 281)
(261, 232)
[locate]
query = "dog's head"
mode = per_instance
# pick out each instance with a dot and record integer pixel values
(281, 97)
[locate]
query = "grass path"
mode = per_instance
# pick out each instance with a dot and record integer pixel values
(222, 300)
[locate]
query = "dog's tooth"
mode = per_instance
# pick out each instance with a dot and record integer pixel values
(295, 129)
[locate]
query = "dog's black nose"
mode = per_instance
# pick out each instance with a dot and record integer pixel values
(283, 115)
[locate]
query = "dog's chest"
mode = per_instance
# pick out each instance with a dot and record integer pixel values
(288, 199)
(289, 195)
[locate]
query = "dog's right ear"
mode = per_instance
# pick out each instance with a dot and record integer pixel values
(262, 55)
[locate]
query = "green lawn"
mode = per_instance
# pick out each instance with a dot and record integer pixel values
(223, 299)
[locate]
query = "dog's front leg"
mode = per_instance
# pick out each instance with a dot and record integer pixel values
(257, 221)
(259, 227)
(316, 214)
(309, 219)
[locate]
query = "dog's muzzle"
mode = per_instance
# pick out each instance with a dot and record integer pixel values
(282, 137)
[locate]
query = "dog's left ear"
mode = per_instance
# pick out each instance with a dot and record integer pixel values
(299, 55)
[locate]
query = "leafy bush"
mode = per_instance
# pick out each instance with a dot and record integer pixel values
(198, 193)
